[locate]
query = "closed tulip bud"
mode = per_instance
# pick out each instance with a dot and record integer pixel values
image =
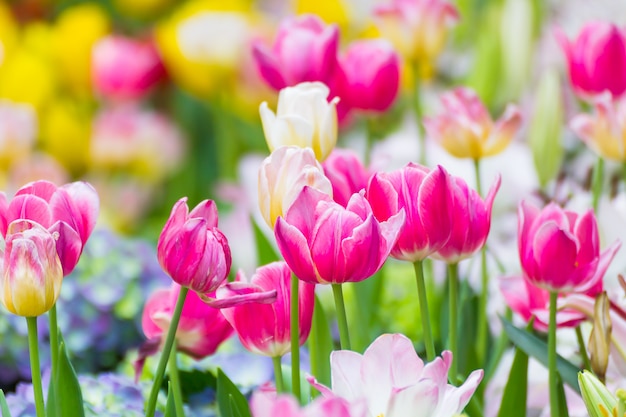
(465, 128)
(192, 250)
(346, 173)
(600, 338)
(31, 270)
(598, 399)
(303, 118)
(283, 175)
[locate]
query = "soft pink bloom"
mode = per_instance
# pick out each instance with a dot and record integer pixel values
(18, 130)
(192, 250)
(394, 381)
(427, 199)
(596, 59)
(323, 242)
(560, 250)
(69, 212)
(372, 75)
(265, 328)
(125, 68)
(471, 224)
(346, 173)
(305, 49)
(465, 128)
(201, 329)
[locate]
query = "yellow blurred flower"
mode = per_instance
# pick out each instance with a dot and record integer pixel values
(8, 32)
(26, 77)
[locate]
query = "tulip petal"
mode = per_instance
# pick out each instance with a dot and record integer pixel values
(294, 248)
(206, 210)
(268, 66)
(69, 245)
(555, 253)
(346, 377)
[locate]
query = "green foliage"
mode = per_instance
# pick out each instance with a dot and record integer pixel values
(230, 400)
(67, 393)
(265, 251)
(320, 344)
(4, 408)
(170, 407)
(516, 390)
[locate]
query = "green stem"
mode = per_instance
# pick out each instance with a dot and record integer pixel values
(424, 313)
(596, 183)
(35, 368)
(453, 284)
(554, 400)
(295, 338)
(483, 323)
(278, 374)
(54, 339)
(177, 391)
(167, 347)
(418, 112)
(342, 321)
(582, 348)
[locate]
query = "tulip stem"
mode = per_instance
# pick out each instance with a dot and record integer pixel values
(342, 321)
(35, 368)
(596, 183)
(453, 292)
(419, 114)
(553, 380)
(175, 382)
(424, 313)
(483, 324)
(167, 347)
(582, 348)
(295, 338)
(54, 339)
(278, 374)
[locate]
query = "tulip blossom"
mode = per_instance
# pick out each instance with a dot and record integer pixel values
(604, 132)
(427, 199)
(31, 273)
(560, 250)
(323, 242)
(371, 70)
(305, 49)
(596, 59)
(192, 250)
(18, 131)
(283, 175)
(201, 330)
(472, 221)
(346, 173)
(465, 128)
(392, 379)
(303, 118)
(141, 63)
(264, 328)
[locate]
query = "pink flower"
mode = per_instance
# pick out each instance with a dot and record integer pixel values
(201, 330)
(596, 59)
(305, 49)
(68, 212)
(323, 242)
(560, 250)
(426, 198)
(265, 328)
(346, 173)
(472, 221)
(125, 68)
(192, 250)
(465, 128)
(372, 75)
(393, 380)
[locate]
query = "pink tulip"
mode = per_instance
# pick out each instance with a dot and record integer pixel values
(201, 330)
(69, 212)
(30, 269)
(264, 328)
(393, 380)
(596, 59)
(560, 250)
(372, 75)
(192, 250)
(305, 49)
(323, 242)
(346, 173)
(472, 221)
(465, 128)
(124, 68)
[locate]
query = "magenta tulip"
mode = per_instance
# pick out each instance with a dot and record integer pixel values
(346, 173)
(596, 59)
(427, 199)
(323, 242)
(264, 328)
(560, 250)
(192, 250)
(305, 49)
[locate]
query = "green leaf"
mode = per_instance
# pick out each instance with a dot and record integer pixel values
(4, 407)
(170, 408)
(538, 349)
(230, 400)
(265, 250)
(51, 401)
(514, 397)
(563, 411)
(67, 389)
(320, 344)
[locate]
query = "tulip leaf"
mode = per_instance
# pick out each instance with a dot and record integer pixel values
(230, 400)
(4, 407)
(51, 401)
(513, 402)
(69, 398)
(563, 411)
(538, 349)
(265, 251)
(170, 407)
(320, 345)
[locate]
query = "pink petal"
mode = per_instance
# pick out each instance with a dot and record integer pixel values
(69, 245)
(295, 250)
(206, 210)
(346, 377)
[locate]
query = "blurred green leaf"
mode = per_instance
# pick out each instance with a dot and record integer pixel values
(513, 402)
(230, 400)
(320, 344)
(4, 408)
(68, 396)
(563, 411)
(265, 251)
(170, 408)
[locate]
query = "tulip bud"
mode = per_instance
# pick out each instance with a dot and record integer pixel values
(597, 398)
(600, 338)
(346, 173)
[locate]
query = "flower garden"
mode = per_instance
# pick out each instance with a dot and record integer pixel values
(312, 208)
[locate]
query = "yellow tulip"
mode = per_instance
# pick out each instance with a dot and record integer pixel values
(26, 78)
